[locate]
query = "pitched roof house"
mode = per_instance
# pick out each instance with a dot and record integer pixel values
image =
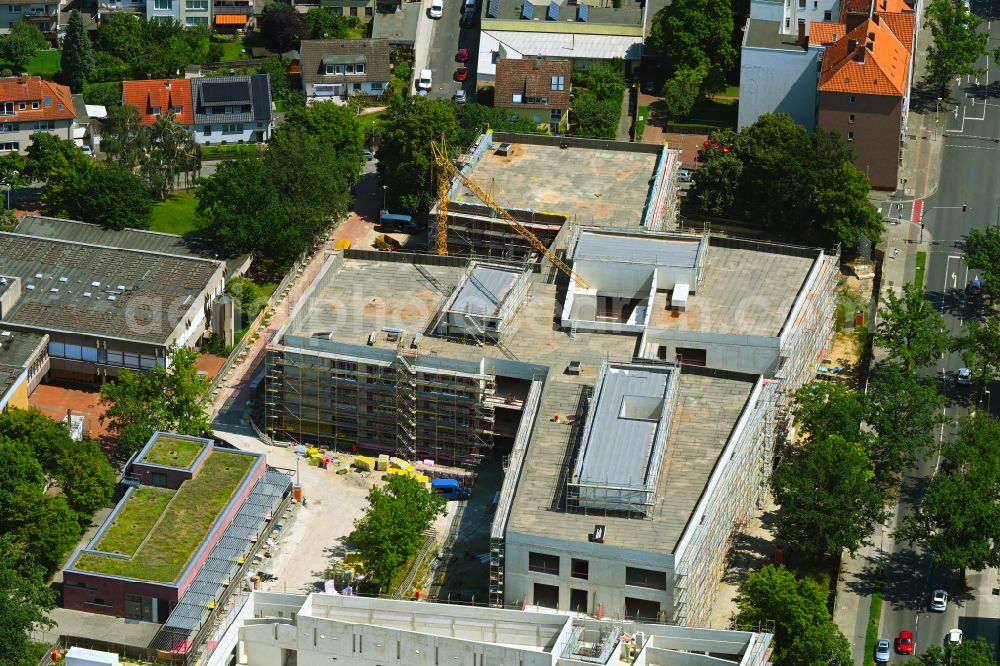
(335, 69)
(218, 110)
(30, 104)
(536, 89)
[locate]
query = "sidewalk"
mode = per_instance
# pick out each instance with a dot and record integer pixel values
(919, 175)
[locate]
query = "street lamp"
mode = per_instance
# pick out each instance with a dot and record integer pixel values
(384, 188)
(937, 110)
(988, 396)
(373, 135)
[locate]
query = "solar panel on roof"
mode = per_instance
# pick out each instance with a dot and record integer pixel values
(583, 12)
(553, 11)
(215, 92)
(494, 9)
(528, 10)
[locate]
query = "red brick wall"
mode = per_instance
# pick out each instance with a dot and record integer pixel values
(175, 477)
(875, 130)
(111, 590)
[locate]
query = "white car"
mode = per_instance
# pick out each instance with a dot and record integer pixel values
(939, 601)
(437, 9)
(954, 637)
(424, 82)
(963, 376)
(882, 651)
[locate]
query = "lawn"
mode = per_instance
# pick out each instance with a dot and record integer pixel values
(233, 51)
(134, 521)
(45, 63)
(918, 278)
(184, 525)
(176, 215)
(640, 123)
(217, 152)
(173, 451)
(710, 114)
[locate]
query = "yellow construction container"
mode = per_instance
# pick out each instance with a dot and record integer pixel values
(395, 471)
(342, 244)
(420, 477)
(365, 463)
(400, 463)
(343, 468)
(382, 462)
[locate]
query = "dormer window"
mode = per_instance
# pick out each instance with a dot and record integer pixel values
(35, 105)
(178, 109)
(7, 108)
(155, 110)
(21, 106)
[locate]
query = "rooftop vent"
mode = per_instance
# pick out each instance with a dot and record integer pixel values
(62, 279)
(38, 276)
(86, 294)
(29, 286)
(112, 297)
(95, 284)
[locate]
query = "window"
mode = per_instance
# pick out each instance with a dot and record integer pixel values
(815, 4)
(850, 136)
(232, 128)
(656, 580)
(195, 20)
(354, 11)
(788, 23)
(208, 130)
(35, 105)
(21, 106)
(155, 110)
(802, 4)
(338, 11)
(163, 5)
(369, 11)
(579, 569)
(359, 68)
(8, 127)
(536, 100)
(178, 108)
(853, 99)
(542, 563)
(377, 85)
(196, 5)
(6, 108)
(558, 83)
(850, 119)
(555, 115)
(97, 601)
(689, 356)
(11, 8)
(159, 479)
(578, 601)
(828, 16)
(8, 146)
(516, 98)
(328, 70)
(43, 125)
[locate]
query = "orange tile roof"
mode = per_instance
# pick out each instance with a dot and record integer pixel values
(878, 66)
(855, 7)
(825, 34)
(231, 19)
(163, 93)
(902, 25)
(55, 102)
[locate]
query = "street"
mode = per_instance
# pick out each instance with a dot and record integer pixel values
(447, 37)
(966, 198)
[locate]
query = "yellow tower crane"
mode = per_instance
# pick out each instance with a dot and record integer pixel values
(447, 170)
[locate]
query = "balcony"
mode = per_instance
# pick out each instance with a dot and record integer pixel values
(233, 8)
(39, 16)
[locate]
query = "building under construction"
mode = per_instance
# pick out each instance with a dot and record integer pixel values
(634, 407)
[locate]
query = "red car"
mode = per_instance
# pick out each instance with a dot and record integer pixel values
(462, 55)
(462, 73)
(904, 644)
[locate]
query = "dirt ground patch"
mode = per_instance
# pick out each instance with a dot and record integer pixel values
(54, 401)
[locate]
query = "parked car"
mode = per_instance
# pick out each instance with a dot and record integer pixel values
(460, 96)
(953, 637)
(437, 9)
(87, 150)
(369, 155)
(939, 600)
(468, 18)
(963, 377)
(684, 175)
(904, 644)
(461, 74)
(975, 287)
(462, 55)
(424, 82)
(882, 650)
(649, 87)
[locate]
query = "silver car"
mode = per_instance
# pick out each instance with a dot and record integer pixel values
(939, 601)
(882, 650)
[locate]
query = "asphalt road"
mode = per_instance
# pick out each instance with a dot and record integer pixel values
(447, 36)
(969, 170)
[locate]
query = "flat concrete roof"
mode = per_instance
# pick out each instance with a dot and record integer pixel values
(659, 250)
(484, 290)
(745, 292)
(763, 34)
(592, 186)
(630, 13)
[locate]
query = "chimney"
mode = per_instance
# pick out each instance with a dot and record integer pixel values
(802, 33)
(859, 56)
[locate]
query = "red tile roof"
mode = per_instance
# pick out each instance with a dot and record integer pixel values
(870, 60)
(825, 34)
(54, 101)
(164, 94)
(531, 77)
(902, 25)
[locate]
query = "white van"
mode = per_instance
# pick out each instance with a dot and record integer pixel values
(424, 82)
(437, 9)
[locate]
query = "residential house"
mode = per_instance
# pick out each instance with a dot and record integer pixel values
(230, 16)
(218, 110)
(44, 14)
(536, 89)
(864, 92)
(335, 69)
(363, 10)
(581, 31)
(29, 104)
(186, 12)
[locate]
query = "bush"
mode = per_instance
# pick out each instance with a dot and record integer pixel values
(104, 94)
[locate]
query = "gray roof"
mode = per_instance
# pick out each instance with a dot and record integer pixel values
(630, 13)
(651, 250)
(400, 26)
(101, 291)
(485, 290)
(374, 51)
(17, 348)
(767, 35)
(251, 92)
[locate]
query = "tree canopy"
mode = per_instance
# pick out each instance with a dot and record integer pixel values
(24, 605)
(99, 193)
(21, 45)
(77, 59)
(982, 250)
(282, 28)
(324, 24)
(696, 35)
(597, 100)
(957, 43)
(393, 526)
(170, 399)
(825, 409)
(981, 350)
(802, 186)
(804, 632)
(903, 410)
(129, 46)
(910, 329)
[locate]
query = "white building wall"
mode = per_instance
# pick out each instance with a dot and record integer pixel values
(778, 81)
(738, 353)
(212, 134)
(317, 92)
(813, 11)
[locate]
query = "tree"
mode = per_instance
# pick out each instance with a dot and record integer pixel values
(164, 399)
(21, 45)
(845, 214)
(282, 28)
(933, 657)
(277, 72)
(50, 531)
(473, 119)
(681, 92)
(910, 329)
(171, 151)
(22, 484)
(87, 479)
(223, 201)
(122, 138)
(957, 43)
(982, 250)
(25, 603)
(405, 156)
(596, 117)
(696, 34)
(828, 499)
(99, 193)
(804, 632)
(324, 24)
(393, 526)
(970, 653)
(338, 127)
(715, 185)
(903, 410)
(981, 350)
(958, 518)
(48, 153)
(77, 59)
(824, 409)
